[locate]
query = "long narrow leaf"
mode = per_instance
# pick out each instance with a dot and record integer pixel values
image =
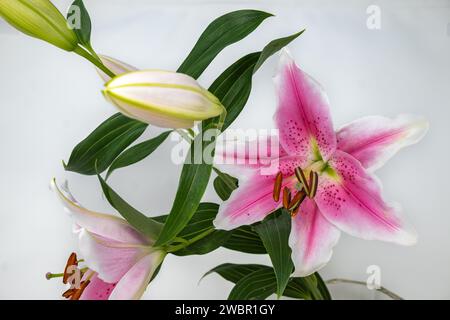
(104, 144)
(139, 221)
(137, 153)
(222, 32)
(274, 233)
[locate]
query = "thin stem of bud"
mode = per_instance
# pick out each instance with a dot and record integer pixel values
(95, 61)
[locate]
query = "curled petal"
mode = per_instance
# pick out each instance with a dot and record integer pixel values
(109, 258)
(312, 239)
(133, 284)
(350, 198)
(303, 115)
(101, 224)
(251, 203)
(116, 66)
(374, 140)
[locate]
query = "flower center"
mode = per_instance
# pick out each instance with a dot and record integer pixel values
(73, 275)
(307, 187)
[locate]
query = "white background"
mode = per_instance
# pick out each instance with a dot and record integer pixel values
(51, 99)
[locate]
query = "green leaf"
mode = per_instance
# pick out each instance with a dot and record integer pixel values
(322, 287)
(205, 245)
(137, 153)
(78, 13)
(234, 85)
(235, 272)
(273, 47)
(202, 221)
(245, 239)
(104, 144)
(191, 187)
(257, 285)
(298, 288)
(139, 221)
(222, 32)
(274, 233)
(224, 184)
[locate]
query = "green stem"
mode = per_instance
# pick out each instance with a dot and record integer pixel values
(92, 51)
(85, 54)
(190, 241)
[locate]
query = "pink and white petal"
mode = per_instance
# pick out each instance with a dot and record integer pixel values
(101, 224)
(254, 153)
(116, 66)
(312, 239)
(303, 115)
(250, 203)
(133, 284)
(110, 259)
(374, 140)
(350, 198)
(97, 289)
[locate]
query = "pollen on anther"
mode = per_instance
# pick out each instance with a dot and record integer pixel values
(277, 187)
(286, 197)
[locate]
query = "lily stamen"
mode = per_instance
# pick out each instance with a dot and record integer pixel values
(72, 261)
(50, 275)
(302, 179)
(296, 210)
(277, 187)
(297, 200)
(286, 197)
(313, 182)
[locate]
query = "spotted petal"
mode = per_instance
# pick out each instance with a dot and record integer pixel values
(312, 239)
(135, 281)
(374, 140)
(97, 289)
(101, 224)
(303, 115)
(350, 198)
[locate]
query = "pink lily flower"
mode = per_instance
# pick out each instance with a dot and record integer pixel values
(342, 194)
(121, 260)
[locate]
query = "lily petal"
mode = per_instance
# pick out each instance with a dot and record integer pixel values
(101, 224)
(116, 66)
(303, 115)
(97, 289)
(136, 280)
(109, 258)
(251, 204)
(254, 154)
(350, 198)
(312, 239)
(374, 140)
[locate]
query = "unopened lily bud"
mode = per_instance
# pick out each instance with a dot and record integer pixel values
(116, 66)
(162, 98)
(39, 19)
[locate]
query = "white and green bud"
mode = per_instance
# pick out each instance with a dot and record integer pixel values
(39, 19)
(162, 98)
